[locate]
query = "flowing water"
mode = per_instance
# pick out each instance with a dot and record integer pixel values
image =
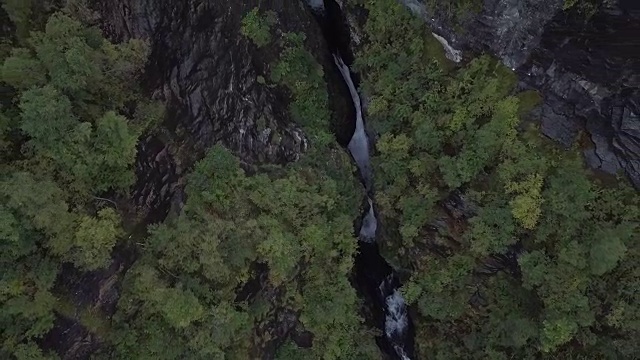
(396, 321)
(316, 5)
(359, 149)
(369, 225)
(359, 144)
(375, 278)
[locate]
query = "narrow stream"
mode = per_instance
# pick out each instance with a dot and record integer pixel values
(396, 322)
(375, 278)
(359, 149)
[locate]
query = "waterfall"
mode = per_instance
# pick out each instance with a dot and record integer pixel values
(359, 144)
(396, 322)
(369, 225)
(359, 149)
(396, 319)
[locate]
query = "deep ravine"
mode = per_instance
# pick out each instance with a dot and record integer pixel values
(387, 296)
(382, 286)
(375, 279)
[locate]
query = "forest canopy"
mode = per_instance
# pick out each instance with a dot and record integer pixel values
(69, 132)
(508, 246)
(545, 261)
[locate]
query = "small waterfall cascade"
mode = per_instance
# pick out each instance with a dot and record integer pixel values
(359, 144)
(359, 149)
(369, 225)
(396, 321)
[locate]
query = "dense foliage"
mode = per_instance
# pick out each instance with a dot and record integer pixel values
(184, 288)
(456, 12)
(296, 220)
(71, 117)
(543, 265)
(570, 292)
(257, 27)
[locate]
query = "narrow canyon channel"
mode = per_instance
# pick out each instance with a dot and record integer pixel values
(375, 278)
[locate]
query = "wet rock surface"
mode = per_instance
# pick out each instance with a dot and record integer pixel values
(510, 29)
(156, 184)
(208, 71)
(557, 122)
(590, 70)
(216, 85)
(71, 340)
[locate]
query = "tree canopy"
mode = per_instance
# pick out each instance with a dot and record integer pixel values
(536, 269)
(67, 141)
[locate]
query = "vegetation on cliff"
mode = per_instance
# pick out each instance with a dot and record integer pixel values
(568, 291)
(254, 250)
(540, 263)
(185, 286)
(296, 220)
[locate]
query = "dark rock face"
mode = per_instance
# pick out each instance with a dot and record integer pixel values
(71, 340)
(555, 122)
(458, 206)
(207, 71)
(354, 18)
(510, 29)
(156, 179)
(587, 69)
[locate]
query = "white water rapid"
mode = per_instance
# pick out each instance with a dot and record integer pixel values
(369, 225)
(396, 321)
(396, 318)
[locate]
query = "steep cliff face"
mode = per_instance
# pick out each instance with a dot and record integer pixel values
(589, 72)
(206, 70)
(586, 66)
(510, 29)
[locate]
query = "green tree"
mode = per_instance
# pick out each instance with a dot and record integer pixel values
(112, 153)
(47, 118)
(292, 222)
(22, 71)
(94, 238)
(64, 140)
(608, 248)
(258, 27)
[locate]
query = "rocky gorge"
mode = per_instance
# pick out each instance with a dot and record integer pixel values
(585, 68)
